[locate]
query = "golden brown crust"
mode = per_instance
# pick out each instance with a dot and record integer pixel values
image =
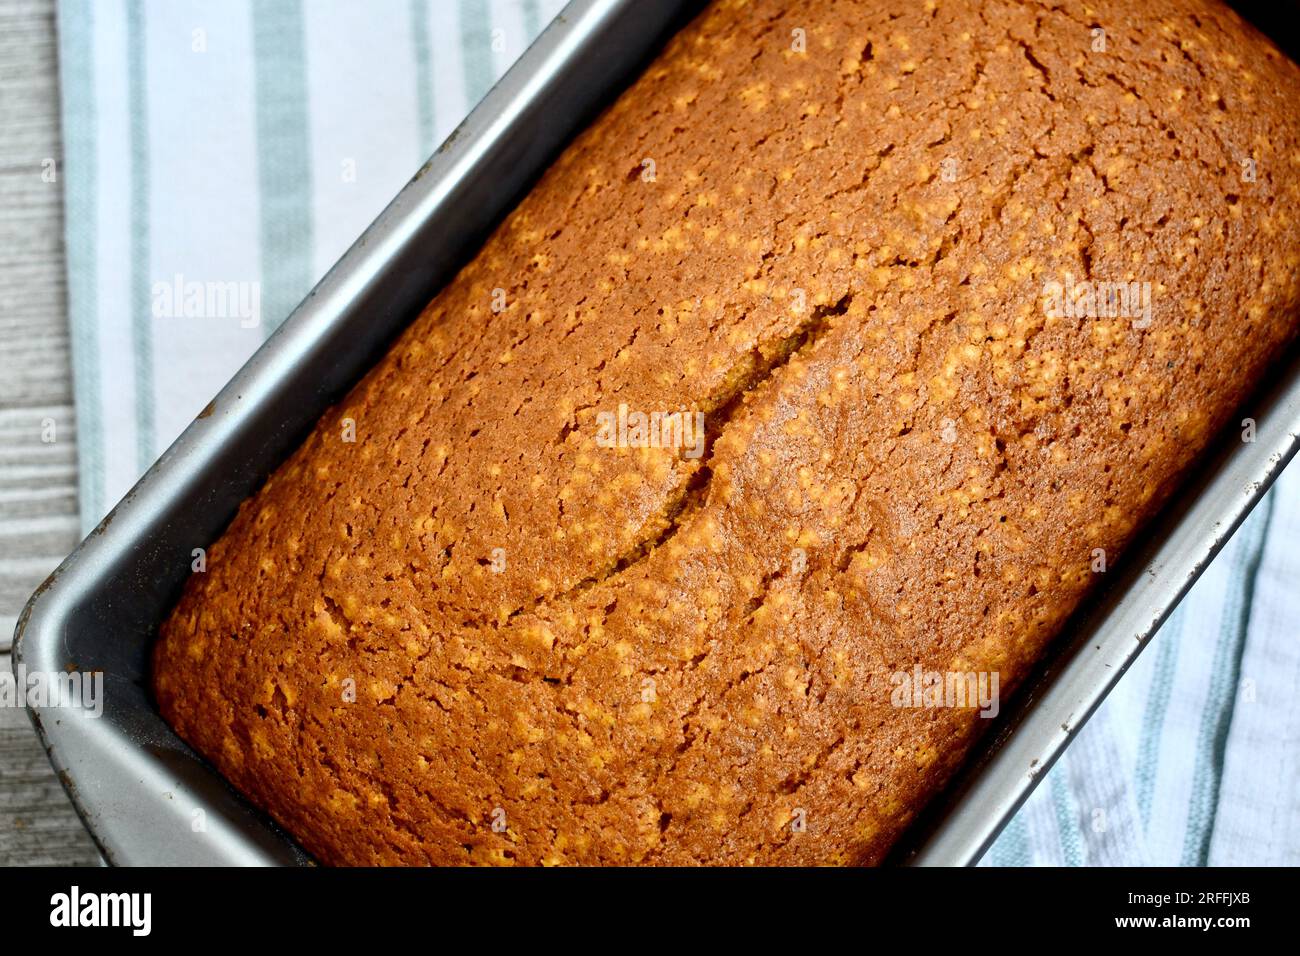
(682, 655)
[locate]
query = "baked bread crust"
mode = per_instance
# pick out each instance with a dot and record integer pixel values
(842, 259)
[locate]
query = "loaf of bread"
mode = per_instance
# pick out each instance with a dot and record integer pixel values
(824, 374)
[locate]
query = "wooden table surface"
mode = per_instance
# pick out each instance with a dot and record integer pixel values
(38, 479)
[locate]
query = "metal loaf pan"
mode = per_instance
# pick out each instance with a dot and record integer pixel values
(137, 786)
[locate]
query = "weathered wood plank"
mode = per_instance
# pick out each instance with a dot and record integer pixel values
(29, 115)
(38, 826)
(38, 481)
(38, 478)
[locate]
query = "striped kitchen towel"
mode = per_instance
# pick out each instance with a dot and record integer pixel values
(237, 147)
(220, 155)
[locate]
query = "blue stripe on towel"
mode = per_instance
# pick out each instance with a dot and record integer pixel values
(1067, 815)
(284, 173)
(532, 19)
(1012, 845)
(1167, 639)
(1225, 672)
(80, 131)
(476, 49)
(424, 105)
(141, 286)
